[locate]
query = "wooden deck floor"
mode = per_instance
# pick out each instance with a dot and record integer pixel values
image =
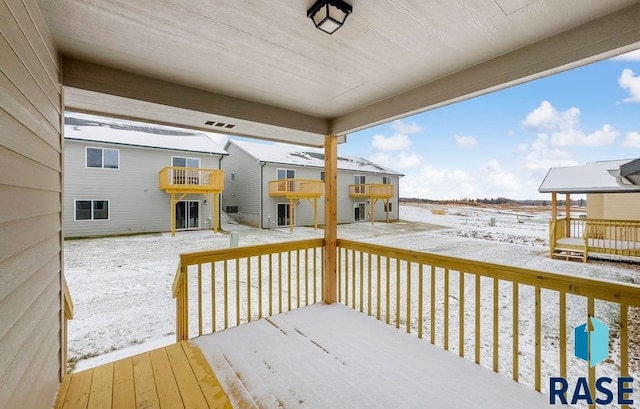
(177, 376)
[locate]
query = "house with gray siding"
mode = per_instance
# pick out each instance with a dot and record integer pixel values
(113, 177)
(260, 177)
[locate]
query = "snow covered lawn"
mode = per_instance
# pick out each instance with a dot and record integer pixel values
(121, 286)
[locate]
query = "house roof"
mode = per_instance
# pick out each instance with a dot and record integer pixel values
(593, 177)
(286, 154)
(264, 68)
(96, 129)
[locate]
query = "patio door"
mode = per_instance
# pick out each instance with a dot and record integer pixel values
(360, 212)
(287, 182)
(187, 215)
(359, 181)
(283, 214)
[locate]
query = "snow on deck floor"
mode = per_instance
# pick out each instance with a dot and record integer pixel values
(330, 356)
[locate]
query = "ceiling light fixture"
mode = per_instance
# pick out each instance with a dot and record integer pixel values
(329, 15)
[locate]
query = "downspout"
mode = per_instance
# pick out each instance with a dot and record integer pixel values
(262, 195)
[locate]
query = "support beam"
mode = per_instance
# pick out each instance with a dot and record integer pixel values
(330, 218)
(554, 206)
(567, 207)
(387, 209)
(173, 214)
(372, 203)
(315, 213)
(216, 213)
(291, 215)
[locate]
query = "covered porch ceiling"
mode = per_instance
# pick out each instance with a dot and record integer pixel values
(261, 69)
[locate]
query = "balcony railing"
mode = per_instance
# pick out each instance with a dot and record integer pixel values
(516, 321)
(223, 288)
(618, 237)
(296, 188)
(178, 179)
(372, 190)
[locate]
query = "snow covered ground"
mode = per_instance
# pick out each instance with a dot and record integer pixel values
(121, 286)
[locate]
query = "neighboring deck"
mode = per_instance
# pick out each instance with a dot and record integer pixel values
(177, 376)
(324, 356)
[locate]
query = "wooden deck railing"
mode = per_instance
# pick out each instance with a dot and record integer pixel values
(617, 237)
(296, 188)
(219, 289)
(180, 179)
(445, 298)
(376, 190)
(68, 315)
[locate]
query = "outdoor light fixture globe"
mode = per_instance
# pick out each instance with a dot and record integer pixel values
(329, 15)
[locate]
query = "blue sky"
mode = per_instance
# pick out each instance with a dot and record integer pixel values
(502, 144)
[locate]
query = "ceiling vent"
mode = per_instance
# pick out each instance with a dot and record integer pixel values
(219, 124)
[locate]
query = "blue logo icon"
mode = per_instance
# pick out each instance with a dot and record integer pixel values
(592, 341)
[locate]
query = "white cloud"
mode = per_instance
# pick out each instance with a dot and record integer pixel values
(540, 156)
(562, 128)
(631, 82)
(395, 142)
(500, 180)
(466, 142)
(402, 127)
(401, 160)
(490, 180)
(632, 140)
(630, 56)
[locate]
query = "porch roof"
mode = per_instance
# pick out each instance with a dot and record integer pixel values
(593, 177)
(264, 69)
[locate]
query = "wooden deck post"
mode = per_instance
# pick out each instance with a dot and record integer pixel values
(315, 213)
(173, 214)
(372, 211)
(552, 225)
(216, 212)
(387, 209)
(554, 206)
(330, 218)
(567, 206)
(290, 214)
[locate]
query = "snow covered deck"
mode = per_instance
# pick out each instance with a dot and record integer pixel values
(324, 356)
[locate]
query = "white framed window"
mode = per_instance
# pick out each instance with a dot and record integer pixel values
(285, 174)
(232, 176)
(390, 207)
(322, 175)
(102, 158)
(91, 210)
(185, 162)
(386, 180)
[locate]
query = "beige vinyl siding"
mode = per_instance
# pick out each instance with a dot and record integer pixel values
(136, 203)
(595, 206)
(622, 206)
(30, 209)
(244, 192)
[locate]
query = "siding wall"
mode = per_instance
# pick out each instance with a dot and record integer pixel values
(136, 203)
(30, 209)
(595, 206)
(244, 192)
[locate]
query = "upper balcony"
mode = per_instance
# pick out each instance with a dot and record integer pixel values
(372, 190)
(296, 188)
(175, 179)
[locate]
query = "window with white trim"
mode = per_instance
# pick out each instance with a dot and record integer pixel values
(184, 162)
(91, 210)
(390, 207)
(102, 158)
(386, 180)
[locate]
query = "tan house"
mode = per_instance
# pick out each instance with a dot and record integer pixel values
(263, 70)
(613, 206)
